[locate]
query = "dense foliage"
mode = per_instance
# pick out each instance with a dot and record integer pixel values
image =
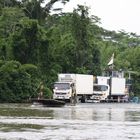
(36, 45)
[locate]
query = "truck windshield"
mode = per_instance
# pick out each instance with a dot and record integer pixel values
(100, 88)
(62, 86)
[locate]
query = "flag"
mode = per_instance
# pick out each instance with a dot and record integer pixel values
(111, 60)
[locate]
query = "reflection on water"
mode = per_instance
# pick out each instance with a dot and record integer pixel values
(80, 122)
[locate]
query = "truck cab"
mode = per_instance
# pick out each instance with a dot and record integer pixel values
(63, 90)
(100, 93)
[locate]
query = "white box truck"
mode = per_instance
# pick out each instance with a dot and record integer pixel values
(70, 86)
(109, 89)
(118, 90)
(101, 89)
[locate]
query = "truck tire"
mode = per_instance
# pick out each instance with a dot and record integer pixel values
(83, 99)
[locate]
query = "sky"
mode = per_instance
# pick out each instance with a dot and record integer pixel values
(114, 14)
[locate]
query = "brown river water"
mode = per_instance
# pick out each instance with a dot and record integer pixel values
(88, 121)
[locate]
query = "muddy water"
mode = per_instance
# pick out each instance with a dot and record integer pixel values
(80, 122)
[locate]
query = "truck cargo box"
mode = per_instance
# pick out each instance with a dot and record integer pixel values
(117, 86)
(84, 84)
(102, 80)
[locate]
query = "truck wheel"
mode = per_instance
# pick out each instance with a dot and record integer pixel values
(106, 100)
(82, 100)
(71, 100)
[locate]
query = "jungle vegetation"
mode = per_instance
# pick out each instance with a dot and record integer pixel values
(36, 45)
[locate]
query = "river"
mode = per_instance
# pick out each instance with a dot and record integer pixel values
(89, 121)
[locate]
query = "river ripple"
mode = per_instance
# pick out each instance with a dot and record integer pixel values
(80, 122)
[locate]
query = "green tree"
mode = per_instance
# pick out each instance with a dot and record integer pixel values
(16, 84)
(86, 51)
(24, 42)
(9, 19)
(28, 42)
(9, 3)
(34, 10)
